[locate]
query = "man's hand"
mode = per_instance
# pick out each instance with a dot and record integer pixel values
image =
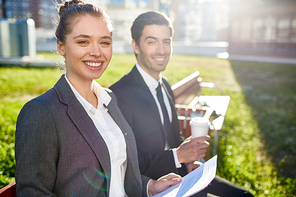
(163, 183)
(192, 166)
(192, 149)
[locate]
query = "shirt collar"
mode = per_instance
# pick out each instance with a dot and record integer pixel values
(103, 97)
(150, 81)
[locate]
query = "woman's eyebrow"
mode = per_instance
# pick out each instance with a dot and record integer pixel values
(87, 36)
(82, 35)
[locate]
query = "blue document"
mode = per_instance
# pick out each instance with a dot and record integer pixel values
(193, 182)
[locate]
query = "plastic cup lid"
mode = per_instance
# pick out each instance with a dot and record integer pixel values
(200, 121)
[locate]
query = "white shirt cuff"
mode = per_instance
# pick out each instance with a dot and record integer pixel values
(147, 188)
(177, 163)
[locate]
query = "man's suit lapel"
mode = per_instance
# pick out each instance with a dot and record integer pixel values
(173, 140)
(145, 93)
(85, 125)
(171, 100)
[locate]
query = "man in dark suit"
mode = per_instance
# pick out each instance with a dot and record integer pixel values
(154, 120)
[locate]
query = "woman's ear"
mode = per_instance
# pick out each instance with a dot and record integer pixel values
(135, 47)
(61, 48)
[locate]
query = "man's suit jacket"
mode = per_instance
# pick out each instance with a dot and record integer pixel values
(59, 151)
(140, 110)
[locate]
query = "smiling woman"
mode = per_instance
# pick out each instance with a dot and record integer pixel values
(87, 51)
(73, 140)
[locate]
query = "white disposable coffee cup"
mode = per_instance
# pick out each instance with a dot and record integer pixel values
(199, 126)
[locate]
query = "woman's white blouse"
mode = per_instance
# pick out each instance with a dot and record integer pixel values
(111, 134)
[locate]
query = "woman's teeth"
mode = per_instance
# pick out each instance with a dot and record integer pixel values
(93, 64)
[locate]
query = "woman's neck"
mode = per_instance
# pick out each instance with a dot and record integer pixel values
(84, 88)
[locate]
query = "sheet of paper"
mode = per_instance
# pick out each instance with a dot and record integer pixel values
(193, 182)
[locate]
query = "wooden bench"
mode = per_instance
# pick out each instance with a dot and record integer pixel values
(189, 103)
(8, 190)
(186, 89)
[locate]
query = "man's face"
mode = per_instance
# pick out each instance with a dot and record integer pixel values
(154, 49)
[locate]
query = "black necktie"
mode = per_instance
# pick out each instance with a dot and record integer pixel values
(166, 120)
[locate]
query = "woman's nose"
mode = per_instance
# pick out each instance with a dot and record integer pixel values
(95, 51)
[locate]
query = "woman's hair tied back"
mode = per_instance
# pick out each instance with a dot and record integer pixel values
(68, 4)
(70, 10)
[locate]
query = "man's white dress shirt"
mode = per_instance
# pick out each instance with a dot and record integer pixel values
(152, 85)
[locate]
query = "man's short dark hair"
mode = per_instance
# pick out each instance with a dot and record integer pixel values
(149, 18)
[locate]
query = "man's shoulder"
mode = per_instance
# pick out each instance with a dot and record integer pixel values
(126, 82)
(122, 83)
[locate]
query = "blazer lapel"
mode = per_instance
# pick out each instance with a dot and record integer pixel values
(171, 100)
(116, 115)
(143, 90)
(85, 125)
(132, 159)
(173, 140)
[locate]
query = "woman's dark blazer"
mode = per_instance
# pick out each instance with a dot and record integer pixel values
(59, 151)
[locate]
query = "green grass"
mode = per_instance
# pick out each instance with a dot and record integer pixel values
(257, 144)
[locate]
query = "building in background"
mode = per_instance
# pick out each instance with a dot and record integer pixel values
(21, 9)
(123, 13)
(265, 28)
(200, 20)
(202, 27)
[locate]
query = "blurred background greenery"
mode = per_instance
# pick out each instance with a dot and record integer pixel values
(257, 144)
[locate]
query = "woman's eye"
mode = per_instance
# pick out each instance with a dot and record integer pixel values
(106, 43)
(82, 42)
